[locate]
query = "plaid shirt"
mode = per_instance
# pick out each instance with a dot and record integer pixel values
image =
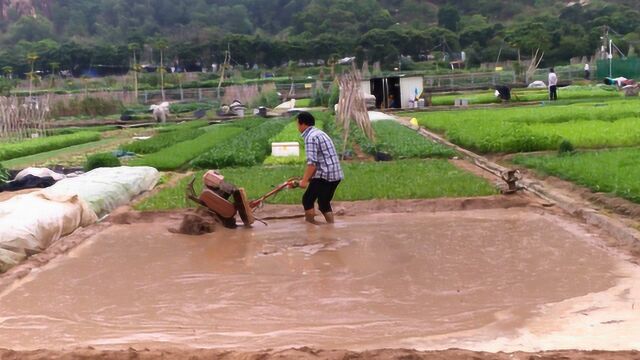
(322, 153)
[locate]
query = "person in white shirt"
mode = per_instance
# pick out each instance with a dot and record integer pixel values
(587, 71)
(553, 85)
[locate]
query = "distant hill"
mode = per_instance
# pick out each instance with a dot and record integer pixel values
(80, 34)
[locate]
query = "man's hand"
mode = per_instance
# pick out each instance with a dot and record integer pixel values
(304, 183)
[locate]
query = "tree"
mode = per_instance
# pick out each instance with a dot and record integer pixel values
(8, 72)
(448, 18)
(31, 58)
(55, 66)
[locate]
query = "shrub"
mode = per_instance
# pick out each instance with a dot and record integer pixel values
(101, 160)
(334, 96)
(268, 99)
(89, 106)
(4, 175)
(565, 147)
(319, 97)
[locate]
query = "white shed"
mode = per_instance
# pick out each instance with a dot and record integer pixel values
(394, 91)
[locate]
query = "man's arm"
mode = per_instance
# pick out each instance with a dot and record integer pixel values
(311, 150)
(308, 173)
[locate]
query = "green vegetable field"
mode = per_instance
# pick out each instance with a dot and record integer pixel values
(611, 171)
(406, 179)
(534, 128)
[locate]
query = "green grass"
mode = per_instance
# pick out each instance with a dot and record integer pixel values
(525, 95)
(40, 145)
(248, 148)
(405, 179)
(162, 140)
(533, 128)
(613, 171)
(176, 156)
(303, 103)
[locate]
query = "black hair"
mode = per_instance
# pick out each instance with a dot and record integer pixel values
(306, 118)
(551, 70)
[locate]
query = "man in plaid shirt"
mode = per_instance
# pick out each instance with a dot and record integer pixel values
(323, 172)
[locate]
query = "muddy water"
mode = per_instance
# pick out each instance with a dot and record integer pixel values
(368, 282)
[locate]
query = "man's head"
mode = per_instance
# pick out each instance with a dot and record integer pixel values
(305, 120)
(551, 70)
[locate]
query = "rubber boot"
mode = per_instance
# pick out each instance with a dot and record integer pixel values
(309, 216)
(328, 216)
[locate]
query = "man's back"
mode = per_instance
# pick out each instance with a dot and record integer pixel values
(322, 153)
(553, 79)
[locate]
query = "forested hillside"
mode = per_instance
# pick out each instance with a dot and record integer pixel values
(78, 34)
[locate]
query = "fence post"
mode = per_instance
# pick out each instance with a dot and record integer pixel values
(146, 96)
(199, 94)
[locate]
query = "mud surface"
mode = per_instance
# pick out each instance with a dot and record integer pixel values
(308, 353)
(480, 279)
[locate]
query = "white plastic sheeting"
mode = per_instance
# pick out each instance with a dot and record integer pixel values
(30, 223)
(104, 189)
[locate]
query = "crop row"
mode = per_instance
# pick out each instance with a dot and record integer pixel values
(401, 142)
(176, 156)
(564, 93)
(249, 148)
(162, 141)
(35, 146)
(363, 181)
(538, 128)
(612, 171)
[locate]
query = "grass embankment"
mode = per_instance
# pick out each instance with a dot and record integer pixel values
(534, 128)
(40, 145)
(611, 171)
(405, 179)
(526, 95)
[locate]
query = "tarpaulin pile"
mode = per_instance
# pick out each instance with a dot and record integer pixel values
(31, 222)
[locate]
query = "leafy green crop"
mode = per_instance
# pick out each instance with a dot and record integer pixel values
(564, 93)
(401, 142)
(35, 146)
(404, 179)
(612, 171)
(176, 156)
(533, 128)
(247, 149)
